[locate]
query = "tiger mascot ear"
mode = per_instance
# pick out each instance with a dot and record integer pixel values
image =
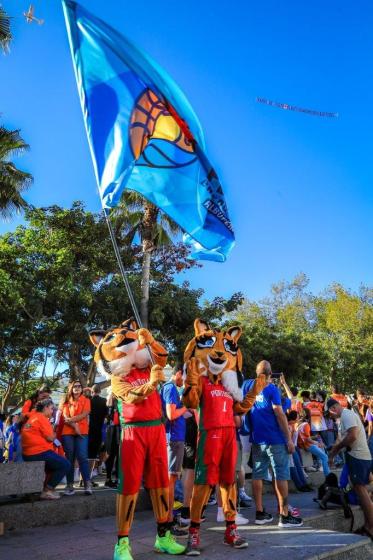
(200, 327)
(130, 324)
(96, 336)
(235, 333)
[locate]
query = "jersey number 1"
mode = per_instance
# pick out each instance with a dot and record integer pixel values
(225, 406)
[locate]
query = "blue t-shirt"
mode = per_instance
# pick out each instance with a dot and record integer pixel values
(175, 430)
(261, 421)
(286, 404)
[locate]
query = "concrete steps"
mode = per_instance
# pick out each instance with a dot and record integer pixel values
(325, 534)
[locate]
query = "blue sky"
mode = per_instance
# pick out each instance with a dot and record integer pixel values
(298, 187)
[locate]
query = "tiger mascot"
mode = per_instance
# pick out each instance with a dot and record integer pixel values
(212, 360)
(123, 355)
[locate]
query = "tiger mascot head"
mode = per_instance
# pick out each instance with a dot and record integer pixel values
(218, 355)
(120, 349)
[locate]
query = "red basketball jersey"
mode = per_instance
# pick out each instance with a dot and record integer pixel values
(216, 406)
(150, 408)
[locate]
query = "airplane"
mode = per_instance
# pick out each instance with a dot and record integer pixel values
(29, 15)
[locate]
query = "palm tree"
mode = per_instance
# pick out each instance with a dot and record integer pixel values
(137, 216)
(5, 33)
(13, 181)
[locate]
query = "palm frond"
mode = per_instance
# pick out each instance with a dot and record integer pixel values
(5, 32)
(13, 181)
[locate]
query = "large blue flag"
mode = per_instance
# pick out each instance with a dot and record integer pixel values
(144, 135)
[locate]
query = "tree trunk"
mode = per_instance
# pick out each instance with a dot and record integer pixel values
(74, 364)
(148, 223)
(91, 374)
(7, 395)
(145, 282)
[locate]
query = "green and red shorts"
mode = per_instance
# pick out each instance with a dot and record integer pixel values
(216, 456)
(143, 457)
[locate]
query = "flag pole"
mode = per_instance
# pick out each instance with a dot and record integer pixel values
(125, 278)
(121, 268)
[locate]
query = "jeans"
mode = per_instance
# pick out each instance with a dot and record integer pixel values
(320, 454)
(274, 455)
(296, 472)
(76, 447)
(57, 466)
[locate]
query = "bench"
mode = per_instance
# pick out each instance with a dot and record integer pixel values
(20, 478)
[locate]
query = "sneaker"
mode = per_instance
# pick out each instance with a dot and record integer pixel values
(244, 500)
(111, 484)
(290, 521)
(49, 495)
(183, 521)
(122, 550)
(232, 538)
(69, 490)
(88, 488)
(295, 512)
(178, 531)
(310, 469)
(193, 545)
(262, 517)
(212, 500)
(220, 515)
(241, 520)
(168, 544)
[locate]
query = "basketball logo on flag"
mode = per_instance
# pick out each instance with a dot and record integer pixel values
(156, 139)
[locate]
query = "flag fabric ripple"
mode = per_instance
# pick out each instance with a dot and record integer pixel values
(144, 135)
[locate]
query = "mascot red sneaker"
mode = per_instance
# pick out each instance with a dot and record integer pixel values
(212, 360)
(123, 355)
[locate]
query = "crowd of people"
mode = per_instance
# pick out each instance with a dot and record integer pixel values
(287, 434)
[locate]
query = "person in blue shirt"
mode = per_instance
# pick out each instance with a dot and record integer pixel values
(175, 431)
(271, 446)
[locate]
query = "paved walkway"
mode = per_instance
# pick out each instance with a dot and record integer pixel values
(94, 539)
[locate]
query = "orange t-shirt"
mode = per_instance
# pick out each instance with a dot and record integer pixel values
(27, 407)
(74, 408)
(342, 399)
(34, 433)
(304, 432)
(296, 404)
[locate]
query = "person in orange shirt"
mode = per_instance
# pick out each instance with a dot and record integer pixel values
(338, 396)
(37, 445)
(44, 392)
(306, 441)
(75, 408)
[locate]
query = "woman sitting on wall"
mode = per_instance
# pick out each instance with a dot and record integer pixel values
(37, 445)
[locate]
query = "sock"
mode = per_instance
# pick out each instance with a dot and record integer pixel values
(162, 528)
(120, 537)
(220, 509)
(194, 525)
(241, 491)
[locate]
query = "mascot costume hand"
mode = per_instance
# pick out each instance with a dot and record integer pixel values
(125, 356)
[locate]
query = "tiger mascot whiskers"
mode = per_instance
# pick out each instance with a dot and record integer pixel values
(212, 360)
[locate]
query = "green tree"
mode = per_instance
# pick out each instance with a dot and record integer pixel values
(13, 181)
(136, 216)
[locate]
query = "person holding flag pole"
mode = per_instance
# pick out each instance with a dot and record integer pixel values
(144, 136)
